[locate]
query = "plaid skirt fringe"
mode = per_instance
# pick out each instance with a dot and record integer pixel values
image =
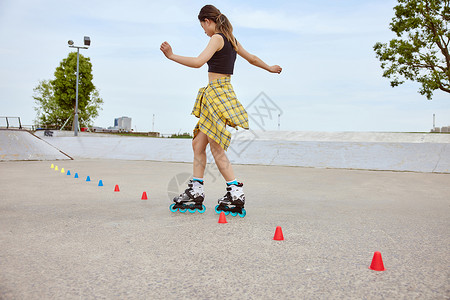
(217, 106)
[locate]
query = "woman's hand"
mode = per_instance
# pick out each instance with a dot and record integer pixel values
(166, 49)
(275, 69)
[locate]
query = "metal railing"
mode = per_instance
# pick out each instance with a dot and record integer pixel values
(10, 122)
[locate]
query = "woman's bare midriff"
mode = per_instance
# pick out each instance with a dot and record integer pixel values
(215, 76)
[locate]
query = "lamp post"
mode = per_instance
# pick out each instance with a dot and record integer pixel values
(87, 43)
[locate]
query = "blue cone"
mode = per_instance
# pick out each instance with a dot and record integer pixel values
(68, 172)
(100, 183)
(76, 175)
(88, 178)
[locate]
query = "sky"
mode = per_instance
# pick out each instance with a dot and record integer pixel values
(331, 79)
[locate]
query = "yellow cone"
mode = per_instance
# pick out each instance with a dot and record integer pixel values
(56, 168)
(62, 170)
(52, 166)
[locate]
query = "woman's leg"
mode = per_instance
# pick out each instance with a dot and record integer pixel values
(199, 146)
(222, 161)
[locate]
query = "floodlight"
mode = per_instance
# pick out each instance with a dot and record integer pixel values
(70, 42)
(87, 41)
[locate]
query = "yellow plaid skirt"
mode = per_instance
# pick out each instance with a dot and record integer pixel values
(217, 106)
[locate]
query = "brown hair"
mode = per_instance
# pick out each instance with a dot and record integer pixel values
(223, 25)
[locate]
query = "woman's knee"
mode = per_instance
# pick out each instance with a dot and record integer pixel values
(216, 149)
(198, 146)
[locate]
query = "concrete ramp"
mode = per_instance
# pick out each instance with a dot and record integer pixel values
(23, 145)
(417, 152)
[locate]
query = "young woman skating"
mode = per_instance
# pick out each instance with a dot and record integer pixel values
(216, 107)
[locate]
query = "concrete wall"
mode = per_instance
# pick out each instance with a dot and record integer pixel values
(419, 152)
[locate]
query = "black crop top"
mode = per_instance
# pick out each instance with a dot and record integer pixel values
(222, 61)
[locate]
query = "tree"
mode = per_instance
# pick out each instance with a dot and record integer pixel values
(55, 98)
(421, 51)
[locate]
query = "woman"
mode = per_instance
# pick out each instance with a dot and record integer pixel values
(216, 107)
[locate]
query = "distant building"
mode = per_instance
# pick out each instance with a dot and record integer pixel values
(444, 129)
(122, 124)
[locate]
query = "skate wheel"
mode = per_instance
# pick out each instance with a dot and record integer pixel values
(173, 209)
(216, 209)
(226, 213)
(192, 210)
(182, 210)
(234, 213)
(243, 214)
(202, 210)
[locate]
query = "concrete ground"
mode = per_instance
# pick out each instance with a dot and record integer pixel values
(66, 238)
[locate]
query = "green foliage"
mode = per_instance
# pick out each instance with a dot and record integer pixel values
(56, 98)
(48, 111)
(184, 135)
(420, 52)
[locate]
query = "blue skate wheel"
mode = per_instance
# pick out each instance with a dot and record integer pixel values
(216, 209)
(243, 214)
(202, 210)
(182, 210)
(192, 210)
(173, 209)
(226, 213)
(234, 213)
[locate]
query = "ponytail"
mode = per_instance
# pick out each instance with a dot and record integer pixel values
(223, 25)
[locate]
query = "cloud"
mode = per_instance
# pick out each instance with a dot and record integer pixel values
(279, 21)
(353, 20)
(139, 11)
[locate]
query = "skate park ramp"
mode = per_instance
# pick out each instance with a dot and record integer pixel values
(23, 145)
(384, 151)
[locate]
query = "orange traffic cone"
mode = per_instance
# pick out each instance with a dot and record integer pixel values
(144, 196)
(116, 189)
(278, 234)
(377, 262)
(222, 218)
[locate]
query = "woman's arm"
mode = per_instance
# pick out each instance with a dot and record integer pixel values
(215, 43)
(256, 61)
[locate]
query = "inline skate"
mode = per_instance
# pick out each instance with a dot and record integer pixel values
(194, 194)
(233, 202)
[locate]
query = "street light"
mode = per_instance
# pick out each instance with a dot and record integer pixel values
(87, 43)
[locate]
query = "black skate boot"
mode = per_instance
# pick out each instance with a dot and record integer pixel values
(194, 194)
(233, 202)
